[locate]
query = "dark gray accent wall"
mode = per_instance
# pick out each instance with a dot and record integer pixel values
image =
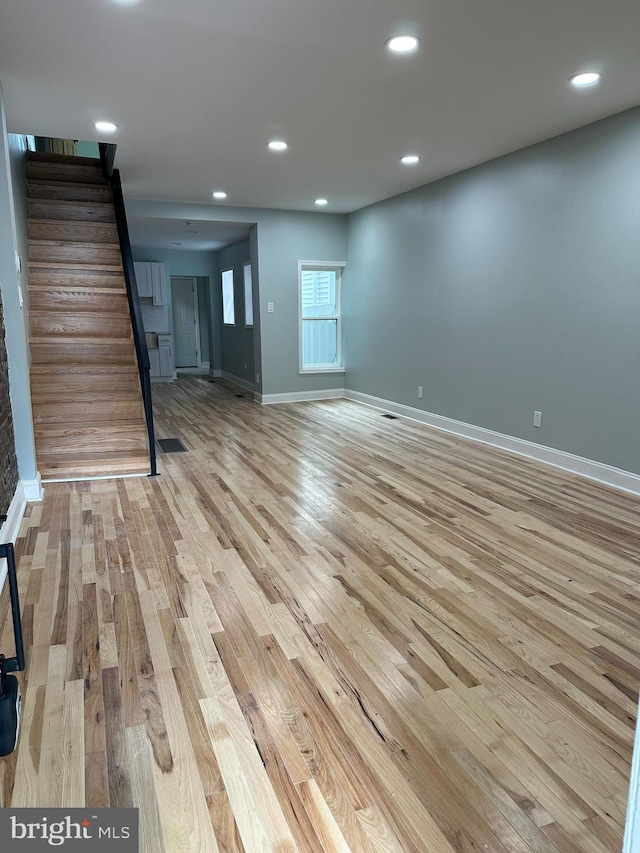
(238, 352)
(8, 459)
(509, 288)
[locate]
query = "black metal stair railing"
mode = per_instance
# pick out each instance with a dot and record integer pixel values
(107, 155)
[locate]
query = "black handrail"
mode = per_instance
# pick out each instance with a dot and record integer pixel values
(107, 154)
(15, 664)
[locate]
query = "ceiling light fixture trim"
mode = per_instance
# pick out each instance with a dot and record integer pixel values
(585, 78)
(403, 44)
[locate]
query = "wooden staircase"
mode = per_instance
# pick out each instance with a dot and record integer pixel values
(85, 388)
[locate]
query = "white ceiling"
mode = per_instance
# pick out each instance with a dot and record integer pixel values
(195, 236)
(197, 87)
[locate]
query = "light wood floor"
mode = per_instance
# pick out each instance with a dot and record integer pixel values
(321, 629)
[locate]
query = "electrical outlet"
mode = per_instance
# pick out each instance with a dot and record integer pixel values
(537, 419)
(270, 307)
(419, 392)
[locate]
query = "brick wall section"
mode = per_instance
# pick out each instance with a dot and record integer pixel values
(8, 462)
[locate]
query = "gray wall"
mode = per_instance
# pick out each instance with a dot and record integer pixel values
(511, 287)
(203, 266)
(282, 238)
(238, 340)
(13, 239)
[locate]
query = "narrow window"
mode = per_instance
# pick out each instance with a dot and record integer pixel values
(228, 308)
(248, 296)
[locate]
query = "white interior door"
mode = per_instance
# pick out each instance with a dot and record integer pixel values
(186, 333)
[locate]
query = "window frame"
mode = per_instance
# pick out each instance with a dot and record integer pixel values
(244, 285)
(337, 267)
(233, 295)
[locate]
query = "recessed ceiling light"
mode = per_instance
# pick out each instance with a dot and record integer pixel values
(403, 44)
(219, 194)
(587, 78)
(410, 159)
(278, 145)
(106, 126)
(322, 201)
(125, 2)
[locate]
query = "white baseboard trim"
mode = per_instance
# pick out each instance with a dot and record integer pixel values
(606, 474)
(11, 527)
(300, 396)
(217, 374)
(33, 490)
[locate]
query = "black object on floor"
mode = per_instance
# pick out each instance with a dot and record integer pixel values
(391, 417)
(10, 698)
(171, 445)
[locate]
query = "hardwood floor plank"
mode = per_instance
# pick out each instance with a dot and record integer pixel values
(321, 630)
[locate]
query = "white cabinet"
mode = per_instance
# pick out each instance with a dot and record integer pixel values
(154, 360)
(151, 280)
(161, 359)
(165, 348)
(143, 279)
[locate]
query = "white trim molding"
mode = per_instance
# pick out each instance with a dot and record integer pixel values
(11, 527)
(301, 396)
(33, 491)
(606, 474)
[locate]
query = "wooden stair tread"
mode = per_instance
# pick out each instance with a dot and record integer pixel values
(91, 427)
(105, 225)
(80, 244)
(74, 341)
(73, 159)
(88, 369)
(119, 411)
(65, 203)
(84, 466)
(72, 209)
(72, 231)
(40, 189)
(77, 289)
(75, 266)
(58, 279)
(88, 314)
(49, 394)
(75, 172)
